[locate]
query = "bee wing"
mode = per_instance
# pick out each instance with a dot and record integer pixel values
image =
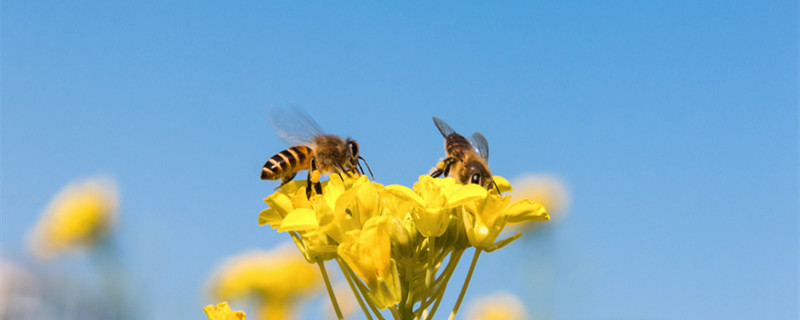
(294, 125)
(443, 127)
(480, 144)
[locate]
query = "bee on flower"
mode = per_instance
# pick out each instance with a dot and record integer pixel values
(468, 159)
(311, 150)
(397, 246)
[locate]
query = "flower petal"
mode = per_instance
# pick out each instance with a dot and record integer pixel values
(280, 202)
(502, 183)
(405, 193)
(465, 193)
(299, 220)
(222, 312)
(525, 210)
(269, 216)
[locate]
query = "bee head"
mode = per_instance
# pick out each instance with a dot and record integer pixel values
(352, 149)
(352, 154)
(478, 173)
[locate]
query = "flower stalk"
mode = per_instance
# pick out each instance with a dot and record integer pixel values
(466, 284)
(330, 290)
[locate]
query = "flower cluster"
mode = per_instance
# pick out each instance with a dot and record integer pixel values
(397, 246)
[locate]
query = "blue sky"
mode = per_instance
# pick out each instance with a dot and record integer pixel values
(674, 124)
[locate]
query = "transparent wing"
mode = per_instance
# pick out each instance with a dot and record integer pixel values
(294, 125)
(443, 127)
(480, 144)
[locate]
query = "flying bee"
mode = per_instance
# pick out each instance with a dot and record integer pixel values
(467, 158)
(311, 150)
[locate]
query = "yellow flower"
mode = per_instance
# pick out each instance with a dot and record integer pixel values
(368, 253)
(497, 306)
(345, 203)
(290, 197)
(485, 219)
(77, 218)
(222, 312)
(276, 279)
(373, 231)
(432, 200)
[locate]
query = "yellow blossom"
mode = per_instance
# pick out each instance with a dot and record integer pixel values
(275, 279)
(485, 219)
(222, 312)
(432, 200)
(368, 253)
(345, 203)
(291, 196)
(497, 306)
(77, 218)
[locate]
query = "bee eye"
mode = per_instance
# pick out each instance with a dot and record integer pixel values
(353, 148)
(476, 179)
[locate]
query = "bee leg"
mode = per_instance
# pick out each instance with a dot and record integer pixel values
(341, 169)
(356, 167)
(286, 179)
(447, 167)
(443, 167)
(313, 179)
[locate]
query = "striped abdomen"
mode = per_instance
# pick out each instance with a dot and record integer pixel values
(456, 146)
(287, 162)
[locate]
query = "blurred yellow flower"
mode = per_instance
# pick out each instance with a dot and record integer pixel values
(497, 306)
(275, 280)
(222, 312)
(77, 218)
(549, 190)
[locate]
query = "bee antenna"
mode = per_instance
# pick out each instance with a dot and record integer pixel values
(366, 164)
(496, 188)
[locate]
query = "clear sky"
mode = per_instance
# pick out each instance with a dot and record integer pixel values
(674, 124)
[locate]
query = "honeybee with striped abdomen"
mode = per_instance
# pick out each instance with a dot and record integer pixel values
(468, 159)
(312, 150)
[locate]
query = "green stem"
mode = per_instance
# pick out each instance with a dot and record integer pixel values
(354, 289)
(407, 302)
(395, 313)
(321, 265)
(466, 284)
(455, 257)
(428, 276)
(365, 291)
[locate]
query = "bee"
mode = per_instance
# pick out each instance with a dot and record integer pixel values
(467, 158)
(311, 150)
